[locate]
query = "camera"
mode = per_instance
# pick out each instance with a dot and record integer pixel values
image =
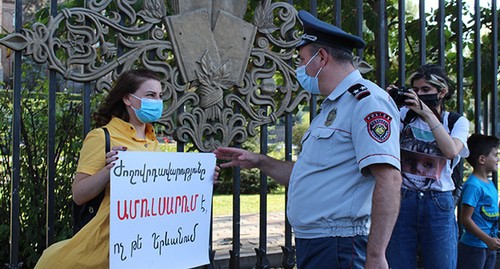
(398, 95)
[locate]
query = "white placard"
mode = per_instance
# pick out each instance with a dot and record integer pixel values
(160, 209)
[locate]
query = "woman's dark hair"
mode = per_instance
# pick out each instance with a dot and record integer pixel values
(113, 106)
(436, 76)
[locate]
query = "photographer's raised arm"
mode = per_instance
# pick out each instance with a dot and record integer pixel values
(449, 146)
(279, 170)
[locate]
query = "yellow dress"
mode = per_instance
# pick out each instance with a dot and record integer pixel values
(89, 248)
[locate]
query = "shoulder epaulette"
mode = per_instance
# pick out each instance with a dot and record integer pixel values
(359, 91)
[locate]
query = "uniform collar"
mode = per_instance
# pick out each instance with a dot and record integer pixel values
(129, 130)
(344, 85)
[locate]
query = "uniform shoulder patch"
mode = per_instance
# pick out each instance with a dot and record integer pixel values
(379, 126)
(359, 91)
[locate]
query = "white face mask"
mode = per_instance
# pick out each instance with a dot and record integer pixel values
(307, 82)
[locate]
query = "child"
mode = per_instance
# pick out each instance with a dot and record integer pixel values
(479, 242)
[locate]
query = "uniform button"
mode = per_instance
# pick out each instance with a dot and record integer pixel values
(421, 194)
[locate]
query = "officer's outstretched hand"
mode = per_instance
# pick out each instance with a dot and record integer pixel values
(237, 157)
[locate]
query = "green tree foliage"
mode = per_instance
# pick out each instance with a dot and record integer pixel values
(33, 162)
(325, 11)
(250, 178)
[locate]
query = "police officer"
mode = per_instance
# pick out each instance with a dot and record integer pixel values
(343, 191)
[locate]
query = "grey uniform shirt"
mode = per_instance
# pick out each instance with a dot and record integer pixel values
(330, 191)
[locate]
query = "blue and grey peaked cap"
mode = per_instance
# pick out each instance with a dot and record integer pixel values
(324, 33)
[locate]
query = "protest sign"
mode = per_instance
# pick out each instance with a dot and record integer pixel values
(160, 209)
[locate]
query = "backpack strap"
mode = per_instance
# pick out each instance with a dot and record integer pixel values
(107, 148)
(457, 172)
(82, 214)
(452, 119)
(409, 117)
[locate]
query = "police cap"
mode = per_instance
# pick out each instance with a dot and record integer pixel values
(318, 31)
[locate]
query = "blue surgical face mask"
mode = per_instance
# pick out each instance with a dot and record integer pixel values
(307, 82)
(150, 111)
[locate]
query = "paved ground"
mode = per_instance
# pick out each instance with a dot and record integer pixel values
(249, 239)
(249, 235)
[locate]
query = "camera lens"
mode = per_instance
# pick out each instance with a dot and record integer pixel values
(398, 95)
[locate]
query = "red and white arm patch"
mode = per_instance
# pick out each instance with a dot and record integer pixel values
(379, 126)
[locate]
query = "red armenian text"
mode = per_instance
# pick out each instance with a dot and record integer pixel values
(153, 207)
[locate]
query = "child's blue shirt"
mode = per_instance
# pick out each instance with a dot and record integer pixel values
(484, 198)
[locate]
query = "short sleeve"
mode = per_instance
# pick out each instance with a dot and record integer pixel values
(92, 155)
(460, 131)
(470, 195)
(375, 132)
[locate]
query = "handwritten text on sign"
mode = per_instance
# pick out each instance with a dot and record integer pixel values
(160, 209)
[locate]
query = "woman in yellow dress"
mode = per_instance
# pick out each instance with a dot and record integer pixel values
(131, 105)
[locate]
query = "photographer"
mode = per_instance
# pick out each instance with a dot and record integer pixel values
(429, 151)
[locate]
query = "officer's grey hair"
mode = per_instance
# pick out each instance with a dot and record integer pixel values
(339, 54)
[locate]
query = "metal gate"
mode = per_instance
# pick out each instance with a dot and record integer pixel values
(227, 71)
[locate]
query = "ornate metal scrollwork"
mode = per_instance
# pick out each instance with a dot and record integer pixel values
(236, 77)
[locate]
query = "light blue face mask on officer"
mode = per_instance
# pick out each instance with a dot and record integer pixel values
(307, 82)
(150, 111)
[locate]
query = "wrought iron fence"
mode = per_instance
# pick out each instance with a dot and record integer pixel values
(240, 79)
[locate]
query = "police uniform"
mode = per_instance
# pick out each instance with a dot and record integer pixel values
(330, 188)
